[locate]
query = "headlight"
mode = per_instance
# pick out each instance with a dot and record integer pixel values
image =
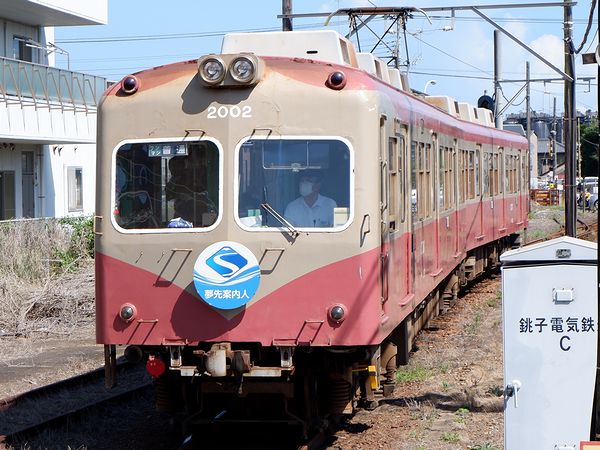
(211, 70)
(242, 69)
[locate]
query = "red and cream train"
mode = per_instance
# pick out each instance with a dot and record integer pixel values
(230, 299)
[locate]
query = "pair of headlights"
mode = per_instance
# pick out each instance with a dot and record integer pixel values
(213, 69)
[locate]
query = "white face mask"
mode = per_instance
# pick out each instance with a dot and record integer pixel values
(306, 188)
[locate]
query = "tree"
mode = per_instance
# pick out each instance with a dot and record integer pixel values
(589, 149)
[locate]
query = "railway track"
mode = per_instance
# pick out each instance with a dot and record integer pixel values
(52, 409)
(23, 416)
(587, 230)
(51, 405)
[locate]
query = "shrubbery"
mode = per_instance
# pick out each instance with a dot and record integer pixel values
(37, 258)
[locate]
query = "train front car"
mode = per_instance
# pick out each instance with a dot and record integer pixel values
(238, 230)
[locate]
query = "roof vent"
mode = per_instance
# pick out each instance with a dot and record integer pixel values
(321, 45)
(373, 65)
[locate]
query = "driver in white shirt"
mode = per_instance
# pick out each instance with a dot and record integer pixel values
(311, 209)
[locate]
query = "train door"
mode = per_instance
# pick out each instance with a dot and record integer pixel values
(387, 221)
(436, 203)
(447, 201)
(478, 157)
(456, 179)
(398, 267)
(422, 198)
(500, 212)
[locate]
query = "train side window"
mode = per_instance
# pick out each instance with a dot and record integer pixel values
(446, 174)
(402, 177)
(494, 181)
(500, 170)
(477, 166)
(166, 185)
(487, 170)
(511, 173)
(393, 178)
(424, 180)
(507, 173)
(421, 185)
(472, 170)
(414, 195)
(304, 181)
(451, 178)
(442, 178)
(463, 173)
(524, 166)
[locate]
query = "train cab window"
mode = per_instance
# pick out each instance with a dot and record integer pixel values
(302, 182)
(166, 185)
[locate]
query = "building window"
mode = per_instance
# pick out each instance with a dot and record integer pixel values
(75, 188)
(7, 195)
(21, 50)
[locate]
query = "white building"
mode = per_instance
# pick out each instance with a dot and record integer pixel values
(47, 115)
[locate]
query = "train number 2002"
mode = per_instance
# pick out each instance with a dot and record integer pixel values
(222, 112)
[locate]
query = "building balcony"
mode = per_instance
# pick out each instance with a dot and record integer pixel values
(55, 12)
(45, 105)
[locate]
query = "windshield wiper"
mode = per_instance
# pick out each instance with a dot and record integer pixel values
(268, 208)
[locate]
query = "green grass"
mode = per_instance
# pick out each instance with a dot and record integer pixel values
(496, 390)
(493, 302)
(444, 368)
(537, 234)
(462, 414)
(451, 437)
(486, 446)
(471, 328)
(408, 374)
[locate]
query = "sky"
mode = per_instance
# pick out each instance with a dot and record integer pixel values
(456, 54)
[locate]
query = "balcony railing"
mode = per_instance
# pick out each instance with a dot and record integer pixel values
(48, 87)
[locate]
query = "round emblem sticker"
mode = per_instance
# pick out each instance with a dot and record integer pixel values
(226, 275)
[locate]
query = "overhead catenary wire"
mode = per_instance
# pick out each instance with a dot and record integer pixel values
(589, 26)
(304, 26)
(451, 56)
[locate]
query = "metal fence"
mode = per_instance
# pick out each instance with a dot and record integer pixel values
(43, 86)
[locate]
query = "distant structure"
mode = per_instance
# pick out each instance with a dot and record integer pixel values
(47, 115)
(541, 125)
(533, 149)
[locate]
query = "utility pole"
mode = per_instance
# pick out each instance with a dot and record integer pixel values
(569, 119)
(286, 8)
(528, 131)
(497, 74)
(595, 429)
(553, 145)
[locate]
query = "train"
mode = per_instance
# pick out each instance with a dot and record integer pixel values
(276, 222)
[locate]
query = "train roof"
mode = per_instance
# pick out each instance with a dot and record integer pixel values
(320, 45)
(283, 51)
(331, 47)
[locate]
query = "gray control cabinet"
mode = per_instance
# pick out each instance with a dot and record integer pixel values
(550, 323)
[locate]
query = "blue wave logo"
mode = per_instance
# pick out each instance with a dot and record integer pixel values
(226, 262)
(226, 275)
